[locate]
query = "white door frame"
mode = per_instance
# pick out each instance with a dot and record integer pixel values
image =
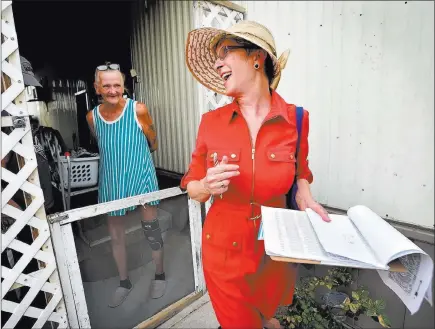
(68, 265)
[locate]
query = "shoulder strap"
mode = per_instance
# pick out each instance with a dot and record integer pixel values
(95, 115)
(299, 117)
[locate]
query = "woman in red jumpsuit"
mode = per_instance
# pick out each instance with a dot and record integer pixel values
(244, 157)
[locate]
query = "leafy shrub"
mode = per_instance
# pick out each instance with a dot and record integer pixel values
(307, 313)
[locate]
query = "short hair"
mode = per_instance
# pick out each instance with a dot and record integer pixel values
(269, 69)
(97, 76)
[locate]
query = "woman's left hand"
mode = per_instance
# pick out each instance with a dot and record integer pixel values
(305, 200)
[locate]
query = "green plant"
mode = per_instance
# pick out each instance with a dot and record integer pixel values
(306, 312)
(361, 303)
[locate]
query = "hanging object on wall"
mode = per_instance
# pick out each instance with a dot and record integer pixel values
(63, 108)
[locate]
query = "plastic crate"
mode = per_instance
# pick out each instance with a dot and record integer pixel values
(84, 171)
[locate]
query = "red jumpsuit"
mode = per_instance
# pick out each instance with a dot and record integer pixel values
(241, 280)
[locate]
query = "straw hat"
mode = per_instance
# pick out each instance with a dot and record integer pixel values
(200, 58)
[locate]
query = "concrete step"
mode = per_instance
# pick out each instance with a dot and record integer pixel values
(179, 209)
(99, 264)
(100, 251)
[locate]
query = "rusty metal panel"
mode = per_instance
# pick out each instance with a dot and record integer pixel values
(365, 72)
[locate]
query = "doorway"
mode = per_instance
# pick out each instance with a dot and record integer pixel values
(64, 42)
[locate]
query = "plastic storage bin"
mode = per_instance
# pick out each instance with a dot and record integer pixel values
(84, 171)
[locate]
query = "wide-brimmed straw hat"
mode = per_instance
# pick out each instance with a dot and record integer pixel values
(200, 55)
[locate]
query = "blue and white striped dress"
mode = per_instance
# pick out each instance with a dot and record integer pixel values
(126, 166)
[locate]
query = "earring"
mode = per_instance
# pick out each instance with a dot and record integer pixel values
(256, 66)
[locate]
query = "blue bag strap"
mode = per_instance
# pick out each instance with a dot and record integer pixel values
(299, 118)
(291, 195)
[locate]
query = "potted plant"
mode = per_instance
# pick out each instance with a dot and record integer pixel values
(336, 306)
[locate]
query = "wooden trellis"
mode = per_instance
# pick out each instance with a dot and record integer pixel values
(17, 141)
(209, 14)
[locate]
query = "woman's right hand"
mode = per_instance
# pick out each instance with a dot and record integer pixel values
(218, 178)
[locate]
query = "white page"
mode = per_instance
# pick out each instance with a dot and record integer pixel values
(341, 237)
(336, 260)
(289, 233)
(412, 286)
(384, 239)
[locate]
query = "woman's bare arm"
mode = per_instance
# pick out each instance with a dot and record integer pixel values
(197, 191)
(90, 120)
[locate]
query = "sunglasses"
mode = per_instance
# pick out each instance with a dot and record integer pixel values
(109, 66)
(223, 52)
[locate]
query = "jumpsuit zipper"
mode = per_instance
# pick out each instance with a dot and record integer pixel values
(253, 163)
(253, 176)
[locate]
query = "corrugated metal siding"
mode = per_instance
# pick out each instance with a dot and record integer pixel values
(167, 87)
(365, 72)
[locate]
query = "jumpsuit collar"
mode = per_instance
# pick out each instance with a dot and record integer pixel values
(278, 108)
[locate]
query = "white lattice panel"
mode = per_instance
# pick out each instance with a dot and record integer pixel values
(20, 286)
(214, 15)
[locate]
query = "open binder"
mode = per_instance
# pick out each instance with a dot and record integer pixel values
(362, 239)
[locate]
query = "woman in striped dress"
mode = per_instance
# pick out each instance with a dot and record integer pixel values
(126, 169)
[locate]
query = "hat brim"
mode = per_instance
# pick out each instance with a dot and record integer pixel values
(30, 80)
(200, 58)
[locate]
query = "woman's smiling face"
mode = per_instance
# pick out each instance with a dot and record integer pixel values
(235, 66)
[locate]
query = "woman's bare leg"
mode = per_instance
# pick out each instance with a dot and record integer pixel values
(149, 215)
(117, 234)
(153, 234)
